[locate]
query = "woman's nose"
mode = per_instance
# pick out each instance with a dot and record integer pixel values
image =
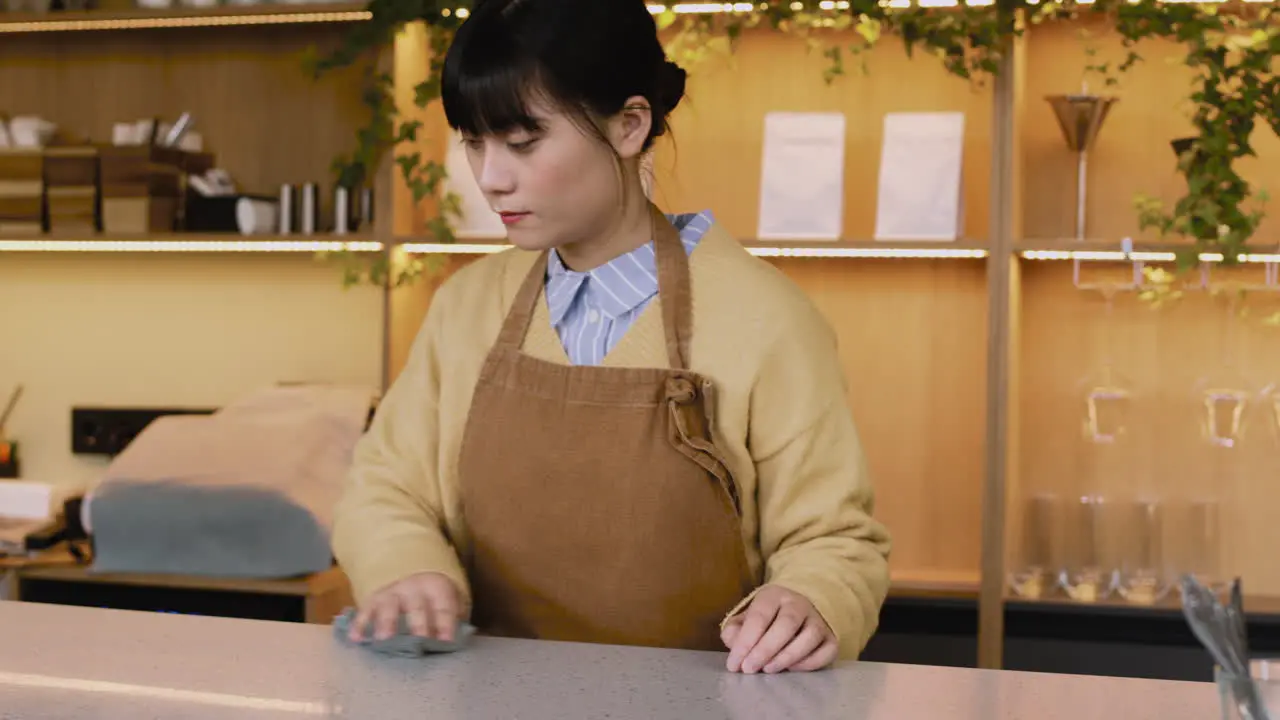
(494, 174)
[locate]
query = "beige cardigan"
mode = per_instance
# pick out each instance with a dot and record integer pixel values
(781, 416)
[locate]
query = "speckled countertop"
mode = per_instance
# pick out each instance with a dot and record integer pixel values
(73, 663)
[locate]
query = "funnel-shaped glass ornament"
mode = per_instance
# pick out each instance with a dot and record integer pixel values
(1081, 117)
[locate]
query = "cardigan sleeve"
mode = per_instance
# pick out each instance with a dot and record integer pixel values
(815, 502)
(389, 522)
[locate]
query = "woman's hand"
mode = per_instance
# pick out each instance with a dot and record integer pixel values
(429, 602)
(780, 630)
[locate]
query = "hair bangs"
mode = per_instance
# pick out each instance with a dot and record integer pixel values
(488, 91)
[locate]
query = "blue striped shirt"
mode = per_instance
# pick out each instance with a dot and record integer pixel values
(591, 310)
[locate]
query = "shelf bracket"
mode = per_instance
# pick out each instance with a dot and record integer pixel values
(1270, 276)
(1126, 254)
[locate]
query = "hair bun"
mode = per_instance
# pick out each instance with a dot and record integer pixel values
(671, 79)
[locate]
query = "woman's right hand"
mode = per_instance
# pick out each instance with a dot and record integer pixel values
(429, 602)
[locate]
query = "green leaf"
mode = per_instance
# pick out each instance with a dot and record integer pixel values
(408, 132)
(426, 91)
(869, 28)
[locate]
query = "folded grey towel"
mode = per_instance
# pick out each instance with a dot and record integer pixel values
(403, 643)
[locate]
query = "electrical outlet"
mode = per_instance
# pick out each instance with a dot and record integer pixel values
(107, 430)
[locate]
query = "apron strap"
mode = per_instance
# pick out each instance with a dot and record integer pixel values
(673, 289)
(516, 326)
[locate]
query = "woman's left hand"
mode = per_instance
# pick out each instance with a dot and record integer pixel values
(780, 630)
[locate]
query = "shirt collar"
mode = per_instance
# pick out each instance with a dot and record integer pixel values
(620, 285)
(615, 288)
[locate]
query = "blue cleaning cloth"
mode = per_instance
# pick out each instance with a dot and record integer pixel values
(403, 643)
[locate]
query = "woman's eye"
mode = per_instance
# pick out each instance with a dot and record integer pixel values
(522, 146)
(473, 143)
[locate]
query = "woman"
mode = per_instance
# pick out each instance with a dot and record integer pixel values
(626, 430)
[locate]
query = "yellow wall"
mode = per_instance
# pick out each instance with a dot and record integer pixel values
(165, 330)
(712, 158)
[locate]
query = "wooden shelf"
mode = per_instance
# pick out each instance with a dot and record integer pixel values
(190, 243)
(181, 17)
(929, 250)
(957, 584)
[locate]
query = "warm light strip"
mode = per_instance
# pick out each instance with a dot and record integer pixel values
(453, 248)
(283, 18)
(1117, 256)
(846, 252)
(244, 702)
(212, 246)
(812, 252)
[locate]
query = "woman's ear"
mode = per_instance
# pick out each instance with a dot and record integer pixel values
(629, 129)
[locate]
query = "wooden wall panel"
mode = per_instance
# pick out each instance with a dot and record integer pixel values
(912, 342)
(267, 121)
(712, 159)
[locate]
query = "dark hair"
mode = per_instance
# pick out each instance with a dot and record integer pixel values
(586, 57)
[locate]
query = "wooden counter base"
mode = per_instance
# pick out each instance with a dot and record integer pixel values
(313, 599)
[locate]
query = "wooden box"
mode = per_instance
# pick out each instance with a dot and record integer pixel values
(142, 186)
(21, 192)
(71, 189)
(139, 215)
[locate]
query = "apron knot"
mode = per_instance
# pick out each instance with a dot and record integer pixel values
(681, 390)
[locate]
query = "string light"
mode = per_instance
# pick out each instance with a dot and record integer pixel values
(862, 252)
(133, 21)
(828, 5)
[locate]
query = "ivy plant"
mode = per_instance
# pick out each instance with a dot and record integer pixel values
(1231, 51)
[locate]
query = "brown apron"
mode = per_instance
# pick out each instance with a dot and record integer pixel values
(597, 508)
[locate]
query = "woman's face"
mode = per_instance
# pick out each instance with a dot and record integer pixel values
(559, 185)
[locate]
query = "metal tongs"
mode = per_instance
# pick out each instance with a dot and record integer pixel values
(1221, 629)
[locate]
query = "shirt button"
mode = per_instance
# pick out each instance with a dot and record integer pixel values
(593, 316)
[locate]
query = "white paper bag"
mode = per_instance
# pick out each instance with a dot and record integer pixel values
(802, 177)
(478, 219)
(921, 194)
